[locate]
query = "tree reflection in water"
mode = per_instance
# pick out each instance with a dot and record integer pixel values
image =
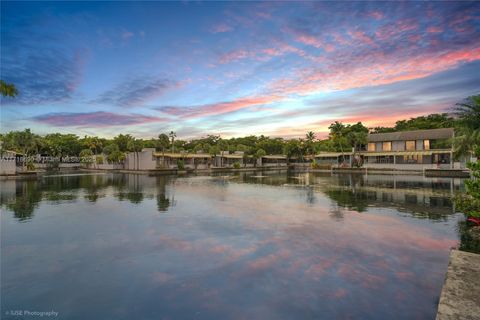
(26, 199)
(414, 196)
(22, 197)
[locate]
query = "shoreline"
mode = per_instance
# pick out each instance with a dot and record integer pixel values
(447, 173)
(461, 289)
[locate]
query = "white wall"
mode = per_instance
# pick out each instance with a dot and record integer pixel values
(7, 167)
(143, 160)
(413, 167)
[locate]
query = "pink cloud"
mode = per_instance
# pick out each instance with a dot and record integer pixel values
(219, 108)
(309, 40)
(377, 15)
(235, 55)
(376, 69)
(340, 39)
(389, 31)
(434, 29)
(360, 36)
(281, 49)
(277, 49)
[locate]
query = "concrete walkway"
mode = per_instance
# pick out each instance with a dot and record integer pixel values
(460, 298)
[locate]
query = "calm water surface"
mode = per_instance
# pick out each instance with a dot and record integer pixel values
(249, 246)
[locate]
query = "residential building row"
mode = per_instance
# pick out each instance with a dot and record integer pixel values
(407, 150)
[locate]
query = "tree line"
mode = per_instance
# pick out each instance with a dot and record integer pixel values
(341, 138)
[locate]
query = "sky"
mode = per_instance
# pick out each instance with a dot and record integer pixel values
(233, 68)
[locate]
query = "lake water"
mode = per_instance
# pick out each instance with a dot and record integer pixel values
(247, 246)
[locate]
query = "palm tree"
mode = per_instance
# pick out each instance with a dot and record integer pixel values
(93, 143)
(310, 136)
(259, 155)
(336, 130)
(163, 141)
(467, 125)
(172, 136)
(136, 145)
(214, 151)
(309, 139)
(8, 89)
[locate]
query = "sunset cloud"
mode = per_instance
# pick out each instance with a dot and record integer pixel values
(135, 92)
(234, 69)
(218, 108)
(93, 119)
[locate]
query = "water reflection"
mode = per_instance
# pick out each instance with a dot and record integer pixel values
(22, 197)
(424, 198)
(251, 245)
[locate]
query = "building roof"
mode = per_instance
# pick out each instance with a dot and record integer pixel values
(444, 133)
(332, 154)
(405, 153)
(182, 155)
(231, 156)
(384, 153)
(274, 156)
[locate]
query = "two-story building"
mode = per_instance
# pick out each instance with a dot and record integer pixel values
(402, 150)
(416, 149)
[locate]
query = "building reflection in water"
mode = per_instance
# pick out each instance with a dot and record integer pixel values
(428, 198)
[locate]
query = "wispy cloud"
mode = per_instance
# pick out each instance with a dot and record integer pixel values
(221, 28)
(272, 64)
(41, 74)
(136, 91)
(127, 35)
(217, 108)
(94, 119)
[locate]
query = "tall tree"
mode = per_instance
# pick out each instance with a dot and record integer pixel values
(135, 145)
(93, 143)
(258, 155)
(467, 125)
(309, 142)
(123, 141)
(214, 151)
(336, 134)
(163, 142)
(172, 136)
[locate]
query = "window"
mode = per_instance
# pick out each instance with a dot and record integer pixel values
(413, 159)
(371, 146)
(426, 144)
(387, 146)
(410, 145)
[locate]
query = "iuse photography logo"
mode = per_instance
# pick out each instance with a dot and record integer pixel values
(29, 313)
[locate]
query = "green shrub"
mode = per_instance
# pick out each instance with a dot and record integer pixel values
(236, 165)
(99, 159)
(181, 165)
(30, 165)
(469, 202)
(116, 157)
(86, 156)
(314, 165)
(52, 165)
